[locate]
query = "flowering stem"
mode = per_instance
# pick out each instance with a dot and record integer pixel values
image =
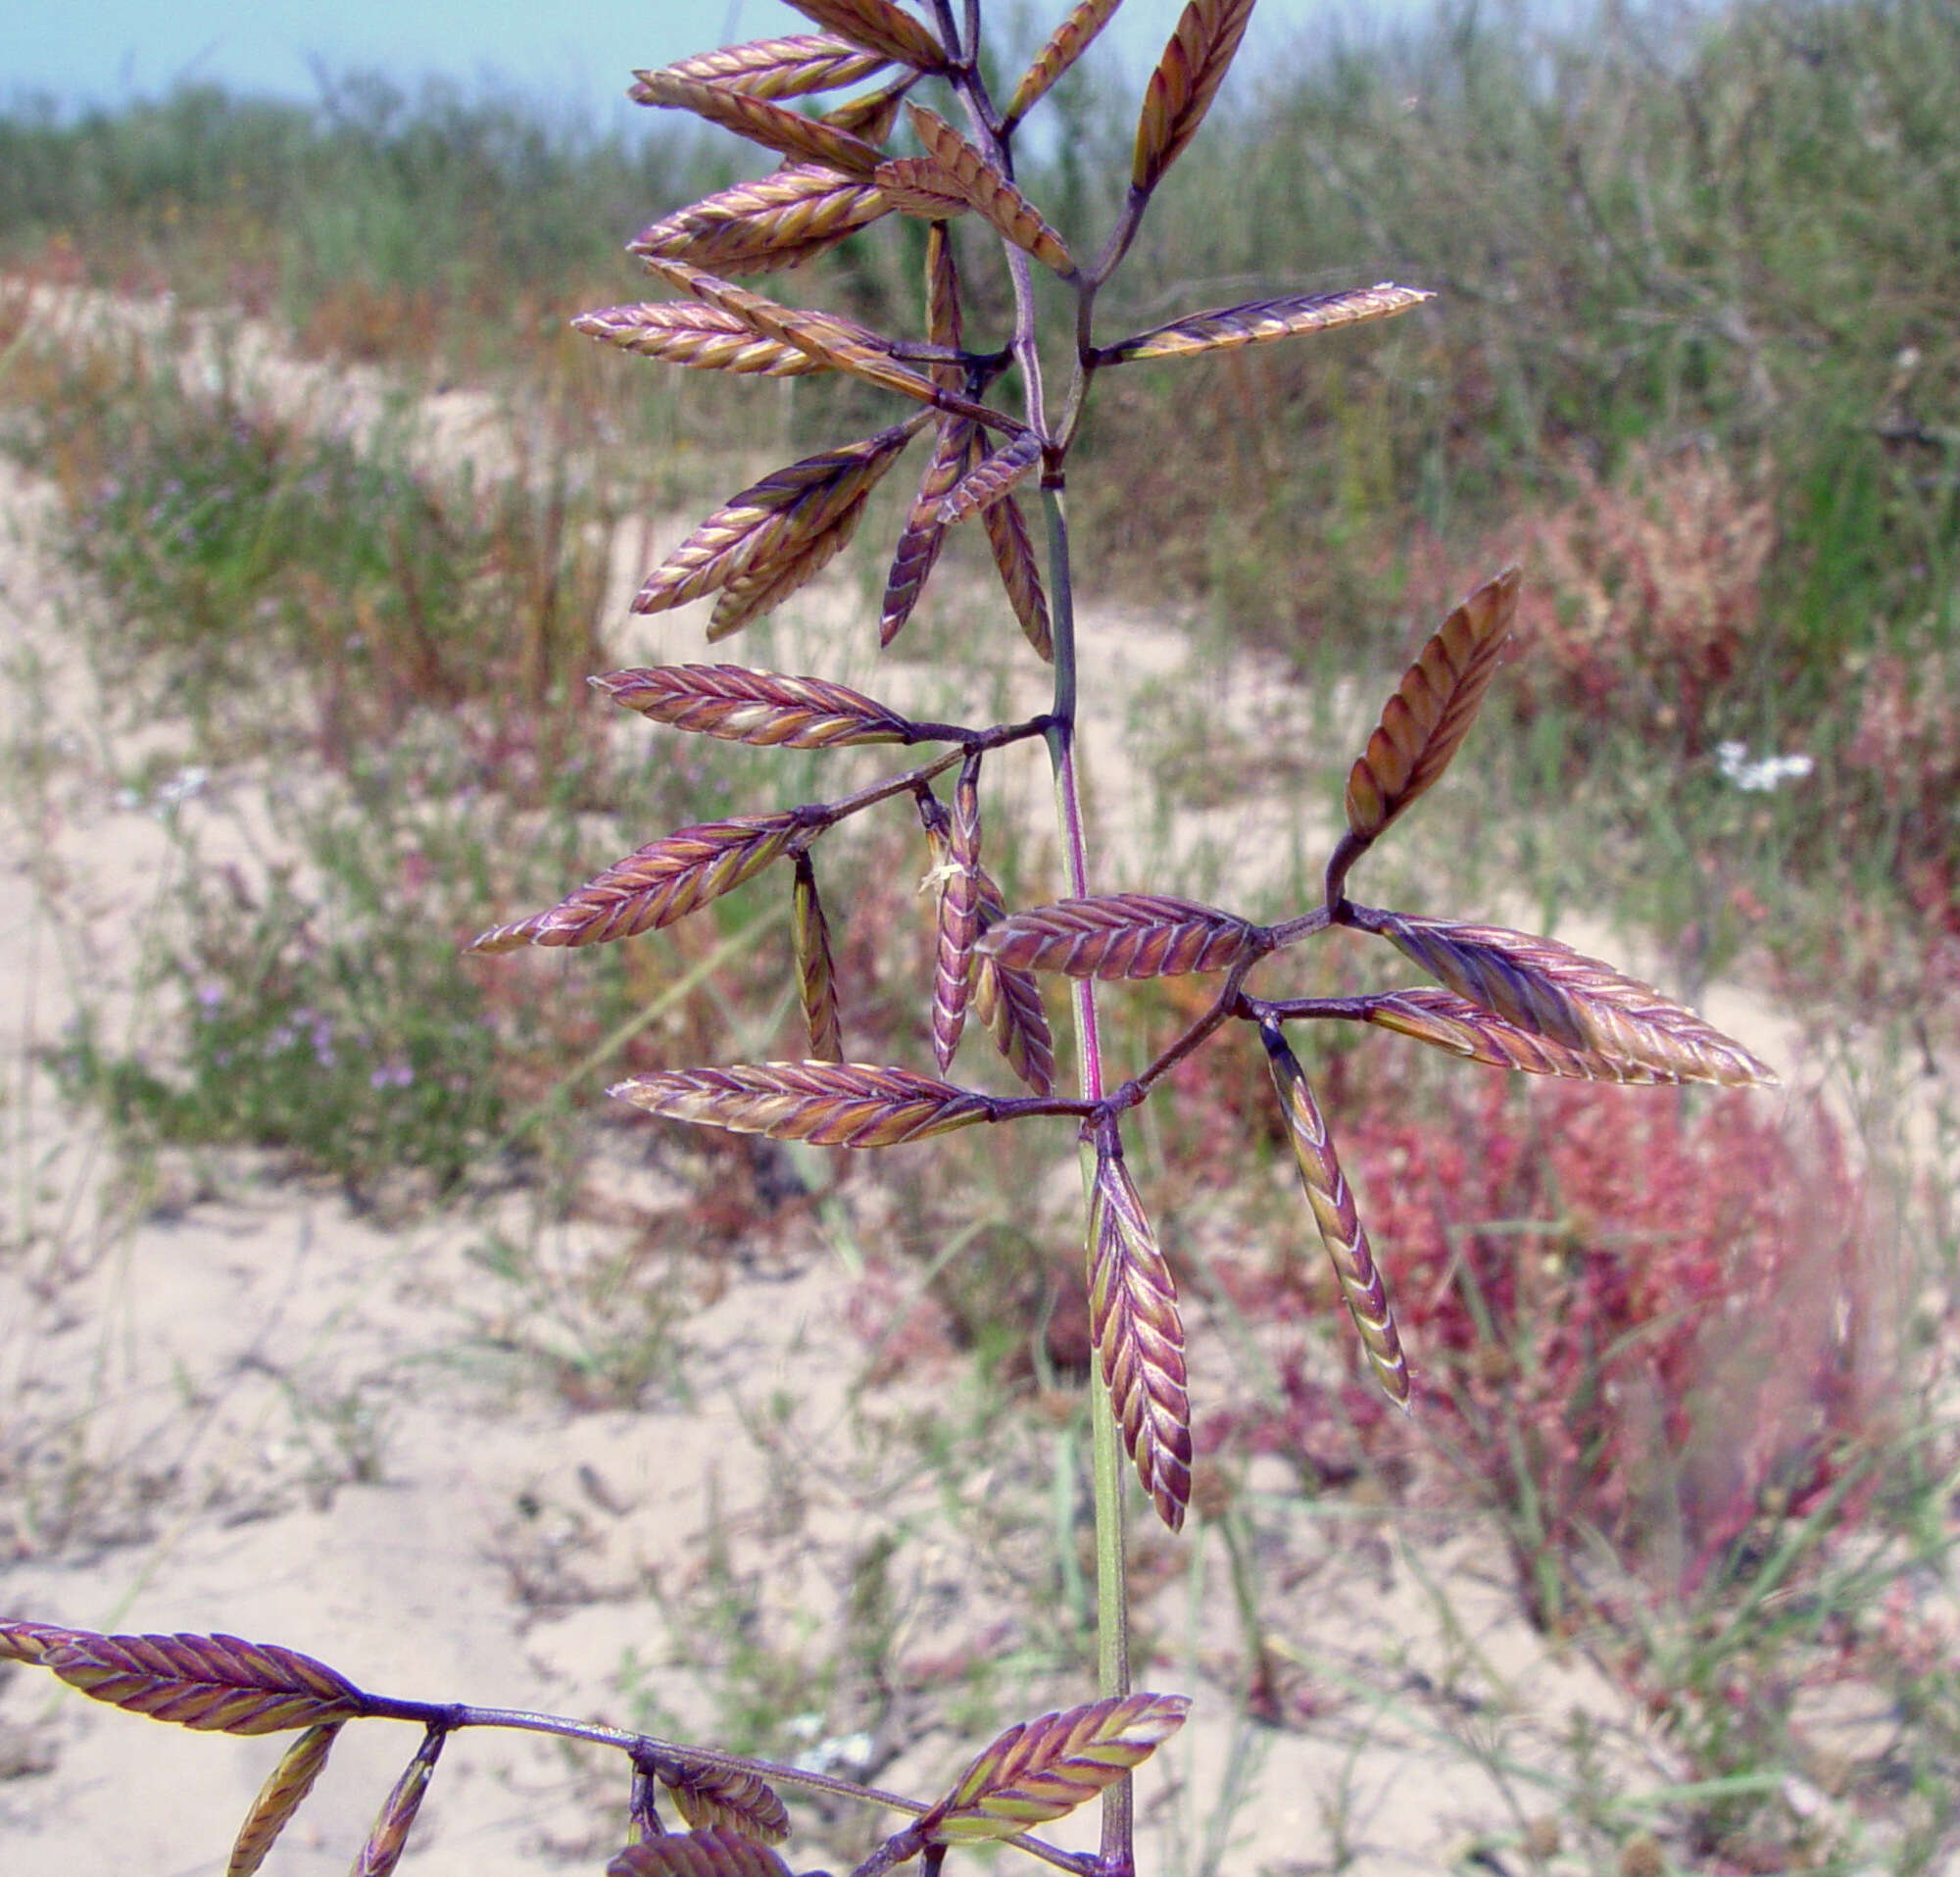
(1112, 1604)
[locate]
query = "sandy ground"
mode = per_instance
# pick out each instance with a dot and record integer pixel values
(255, 1412)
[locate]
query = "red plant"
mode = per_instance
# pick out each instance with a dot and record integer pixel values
(1646, 590)
(1657, 1319)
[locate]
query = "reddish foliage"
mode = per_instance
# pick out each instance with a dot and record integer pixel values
(1653, 1318)
(1640, 1316)
(1642, 593)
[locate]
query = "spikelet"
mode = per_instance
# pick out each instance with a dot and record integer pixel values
(1043, 1770)
(816, 975)
(1187, 78)
(1547, 989)
(1258, 322)
(1121, 935)
(1065, 44)
(828, 1103)
(1138, 1339)
(1341, 1228)
(789, 67)
(657, 884)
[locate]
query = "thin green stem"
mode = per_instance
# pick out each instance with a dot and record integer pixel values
(1112, 1600)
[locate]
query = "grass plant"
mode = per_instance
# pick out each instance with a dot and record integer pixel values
(1567, 1261)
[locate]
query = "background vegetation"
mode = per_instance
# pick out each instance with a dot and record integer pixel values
(1695, 359)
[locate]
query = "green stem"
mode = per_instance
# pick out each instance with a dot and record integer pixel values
(1112, 1602)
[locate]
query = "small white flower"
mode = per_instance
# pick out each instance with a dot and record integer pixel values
(1761, 776)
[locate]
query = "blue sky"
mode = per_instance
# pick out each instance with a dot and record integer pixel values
(578, 53)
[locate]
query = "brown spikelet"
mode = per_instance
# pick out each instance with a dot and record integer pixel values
(216, 1684)
(718, 1798)
(1138, 1339)
(771, 520)
(766, 708)
(1539, 985)
(919, 187)
(1450, 1022)
(787, 132)
(990, 477)
(708, 340)
(1044, 1768)
(1122, 935)
(1065, 44)
(829, 1104)
(777, 221)
(988, 192)
(389, 1838)
(768, 584)
(954, 451)
(1341, 1228)
(816, 978)
(1256, 322)
(945, 324)
(958, 917)
(700, 1853)
(1187, 78)
(873, 116)
(652, 887)
(789, 67)
(1021, 571)
(840, 344)
(1010, 1002)
(280, 1797)
(878, 27)
(1427, 719)
(30, 1641)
